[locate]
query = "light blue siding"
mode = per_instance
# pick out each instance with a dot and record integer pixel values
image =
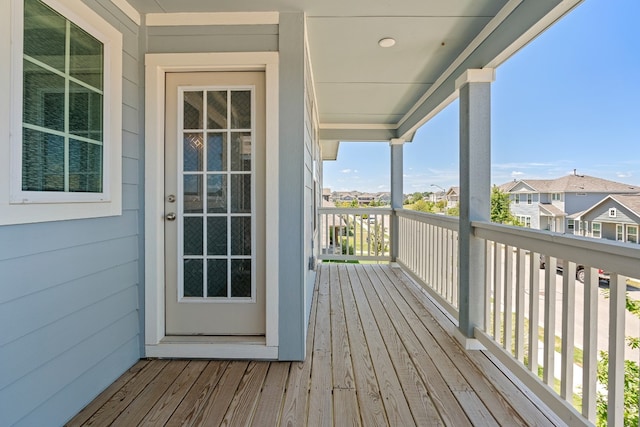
(224, 38)
(70, 291)
(293, 267)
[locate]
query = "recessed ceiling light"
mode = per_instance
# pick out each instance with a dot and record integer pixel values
(387, 42)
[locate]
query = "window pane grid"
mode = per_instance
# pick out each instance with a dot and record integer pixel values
(216, 171)
(87, 114)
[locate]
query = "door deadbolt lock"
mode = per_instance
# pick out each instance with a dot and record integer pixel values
(171, 198)
(171, 216)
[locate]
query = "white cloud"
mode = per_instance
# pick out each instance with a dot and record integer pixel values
(346, 171)
(624, 174)
(516, 174)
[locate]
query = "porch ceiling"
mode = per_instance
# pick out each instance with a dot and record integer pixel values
(366, 92)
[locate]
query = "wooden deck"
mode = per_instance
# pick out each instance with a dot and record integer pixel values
(378, 353)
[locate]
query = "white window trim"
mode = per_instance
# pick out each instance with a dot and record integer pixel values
(156, 67)
(636, 234)
(613, 212)
(599, 226)
(17, 206)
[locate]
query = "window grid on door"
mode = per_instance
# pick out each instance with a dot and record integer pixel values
(215, 164)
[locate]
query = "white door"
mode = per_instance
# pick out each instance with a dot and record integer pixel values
(214, 203)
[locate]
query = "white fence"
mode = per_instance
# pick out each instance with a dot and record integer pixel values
(428, 249)
(355, 234)
(542, 324)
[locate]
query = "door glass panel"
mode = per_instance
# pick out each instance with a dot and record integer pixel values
(217, 235)
(241, 193)
(217, 278)
(192, 194)
(192, 110)
(241, 278)
(192, 235)
(241, 151)
(193, 145)
(217, 109)
(241, 235)
(240, 109)
(217, 152)
(193, 278)
(217, 193)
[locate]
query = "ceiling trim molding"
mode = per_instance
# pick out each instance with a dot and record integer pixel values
(377, 126)
(128, 10)
(477, 41)
(215, 18)
(556, 13)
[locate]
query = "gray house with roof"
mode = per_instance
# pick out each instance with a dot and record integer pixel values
(616, 217)
(547, 204)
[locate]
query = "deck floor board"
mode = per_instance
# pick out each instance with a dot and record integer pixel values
(379, 352)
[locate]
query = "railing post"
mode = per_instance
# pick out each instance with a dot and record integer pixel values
(475, 188)
(396, 193)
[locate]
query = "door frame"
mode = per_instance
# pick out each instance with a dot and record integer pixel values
(156, 343)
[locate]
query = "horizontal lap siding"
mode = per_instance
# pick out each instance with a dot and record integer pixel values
(70, 290)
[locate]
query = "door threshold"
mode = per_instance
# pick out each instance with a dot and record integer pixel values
(214, 339)
(213, 347)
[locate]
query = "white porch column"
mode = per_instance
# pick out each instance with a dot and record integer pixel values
(397, 196)
(475, 189)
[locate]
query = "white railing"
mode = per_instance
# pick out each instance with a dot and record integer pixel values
(544, 326)
(351, 234)
(428, 249)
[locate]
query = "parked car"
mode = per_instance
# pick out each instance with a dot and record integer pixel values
(603, 275)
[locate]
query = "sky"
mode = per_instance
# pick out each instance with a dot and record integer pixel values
(568, 100)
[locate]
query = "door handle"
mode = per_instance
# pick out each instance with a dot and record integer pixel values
(171, 216)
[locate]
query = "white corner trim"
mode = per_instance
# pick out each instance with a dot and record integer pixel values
(128, 10)
(156, 67)
(483, 75)
(375, 126)
(506, 10)
(212, 351)
(556, 13)
(468, 343)
(397, 141)
(216, 18)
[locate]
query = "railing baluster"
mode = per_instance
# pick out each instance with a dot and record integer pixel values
(497, 290)
(617, 310)
(568, 327)
(454, 299)
(507, 282)
(549, 320)
(488, 280)
(534, 310)
(590, 344)
(521, 261)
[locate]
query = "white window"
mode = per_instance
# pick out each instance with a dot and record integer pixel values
(619, 233)
(517, 199)
(556, 197)
(524, 220)
(529, 199)
(596, 230)
(66, 106)
(570, 226)
(632, 233)
(613, 212)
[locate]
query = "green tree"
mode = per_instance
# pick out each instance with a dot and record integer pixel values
(423, 206)
(500, 212)
(454, 211)
(417, 196)
(631, 379)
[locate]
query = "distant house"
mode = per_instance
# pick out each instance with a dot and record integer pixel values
(453, 197)
(616, 217)
(547, 204)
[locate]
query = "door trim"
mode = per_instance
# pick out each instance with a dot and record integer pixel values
(156, 67)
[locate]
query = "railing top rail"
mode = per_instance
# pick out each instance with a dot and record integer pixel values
(355, 211)
(623, 258)
(450, 222)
